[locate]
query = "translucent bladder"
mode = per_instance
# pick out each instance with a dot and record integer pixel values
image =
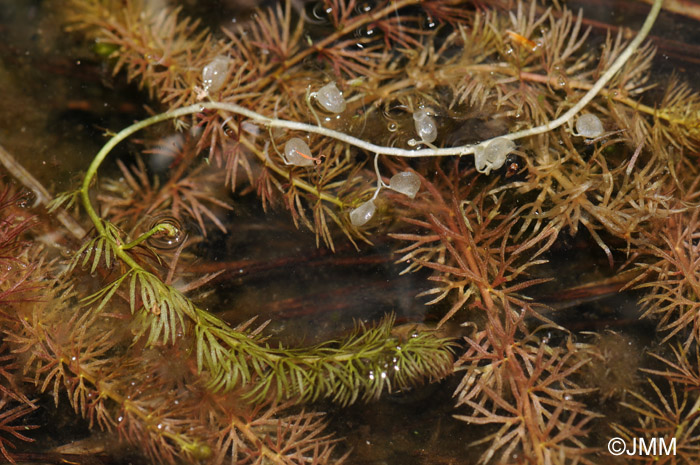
(426, 127)
(297, 153)
(492, 154)
(330, 98)
(406, 183)
(362, 214)
(589, 126)
(214, 74)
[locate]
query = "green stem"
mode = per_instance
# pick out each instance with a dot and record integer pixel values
(169, 229)
(100, 157)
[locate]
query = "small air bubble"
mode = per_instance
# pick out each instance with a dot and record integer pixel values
(364, 7)
(429, 23)
(319, 14)
(363, 32)
(167, 239)
(27, 200)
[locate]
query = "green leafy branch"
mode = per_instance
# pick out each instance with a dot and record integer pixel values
(361, 366)
(358, 367)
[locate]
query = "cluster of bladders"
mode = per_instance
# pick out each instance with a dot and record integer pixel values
(488, 156)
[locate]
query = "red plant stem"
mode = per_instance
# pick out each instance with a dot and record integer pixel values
(471, 261)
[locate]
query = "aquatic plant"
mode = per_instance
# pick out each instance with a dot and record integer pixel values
(387, 98)
(667, 415)
(20, 284)
(671, 278)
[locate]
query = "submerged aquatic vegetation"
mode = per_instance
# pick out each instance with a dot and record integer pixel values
(317, 120)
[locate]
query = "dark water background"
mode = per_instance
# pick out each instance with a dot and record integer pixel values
(56, 98)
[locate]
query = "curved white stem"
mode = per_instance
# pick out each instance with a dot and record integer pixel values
(436, 152)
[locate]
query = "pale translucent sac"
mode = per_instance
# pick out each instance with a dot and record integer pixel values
(166, 152)
(362, 214)
(297, 152)
(330, 98)
(251, 128)
(426, 127)
(406, 183)
(492, 155)
(214, 74)
(588, 125)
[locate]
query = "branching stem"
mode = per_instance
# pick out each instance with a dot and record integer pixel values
(166, 228)
(270, 362)
(295, 180)
(598, 86)
(359, 143)
(448, 151)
